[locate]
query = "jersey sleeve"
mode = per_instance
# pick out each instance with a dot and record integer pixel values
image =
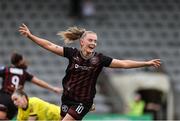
(68, 52)
(106, 61)
(28, 76)
(2, 71)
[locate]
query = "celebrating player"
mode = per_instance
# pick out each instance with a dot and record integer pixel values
(84, 67)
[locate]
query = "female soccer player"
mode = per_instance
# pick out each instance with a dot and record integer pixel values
(14, 76)
(33, 108)
(84, 67)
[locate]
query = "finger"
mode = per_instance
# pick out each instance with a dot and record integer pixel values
(21, 27)
(25, 26)
(22, 31)
(157, 65)
(157, 59)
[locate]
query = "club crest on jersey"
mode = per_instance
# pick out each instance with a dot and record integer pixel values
(64, 108)
(94, 60)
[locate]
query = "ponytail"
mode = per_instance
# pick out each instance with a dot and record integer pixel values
(71, 34)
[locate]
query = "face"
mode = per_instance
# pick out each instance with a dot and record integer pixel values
(89, 42)
(137, 97)
(19, 101)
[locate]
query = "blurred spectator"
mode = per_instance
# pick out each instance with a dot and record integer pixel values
(136, 107)
(75, 9)
(88, 9)
(153, 109)
(81, 8)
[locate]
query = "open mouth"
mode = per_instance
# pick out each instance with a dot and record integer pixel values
(91, 47)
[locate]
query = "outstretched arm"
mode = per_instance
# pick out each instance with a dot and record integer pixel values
(43, 84)
(24, 30)
(134, 64)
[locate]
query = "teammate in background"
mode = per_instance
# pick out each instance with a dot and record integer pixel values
(84, 67)
(3, 112)
(14, 76)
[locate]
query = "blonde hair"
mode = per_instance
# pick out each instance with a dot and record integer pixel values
(73, 33)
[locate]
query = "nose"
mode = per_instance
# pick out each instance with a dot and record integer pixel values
(94, 43)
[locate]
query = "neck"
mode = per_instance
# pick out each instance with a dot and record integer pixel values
(86, 55)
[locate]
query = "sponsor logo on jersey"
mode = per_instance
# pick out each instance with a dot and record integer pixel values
(82, 67)
(16, 71)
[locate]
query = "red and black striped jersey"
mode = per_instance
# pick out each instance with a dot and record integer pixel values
(13, 77)
(81, 76)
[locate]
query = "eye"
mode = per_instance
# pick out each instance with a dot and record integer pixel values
(90, 40)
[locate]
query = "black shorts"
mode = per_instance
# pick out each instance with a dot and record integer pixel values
(74, 108)
(5, 99)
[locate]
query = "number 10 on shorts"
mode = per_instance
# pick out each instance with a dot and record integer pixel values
(79, 109)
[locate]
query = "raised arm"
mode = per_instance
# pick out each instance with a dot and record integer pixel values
(24, 30)
(134, 64)
(43, 84)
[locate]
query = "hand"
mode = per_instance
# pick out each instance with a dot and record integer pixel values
(93, 108)
(57, 90)
(23, 29)
(155, 63)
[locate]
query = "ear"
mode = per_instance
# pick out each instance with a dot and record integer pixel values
(24, 99)
(81, 42)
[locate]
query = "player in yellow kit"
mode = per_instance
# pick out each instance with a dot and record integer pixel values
(34, 108)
